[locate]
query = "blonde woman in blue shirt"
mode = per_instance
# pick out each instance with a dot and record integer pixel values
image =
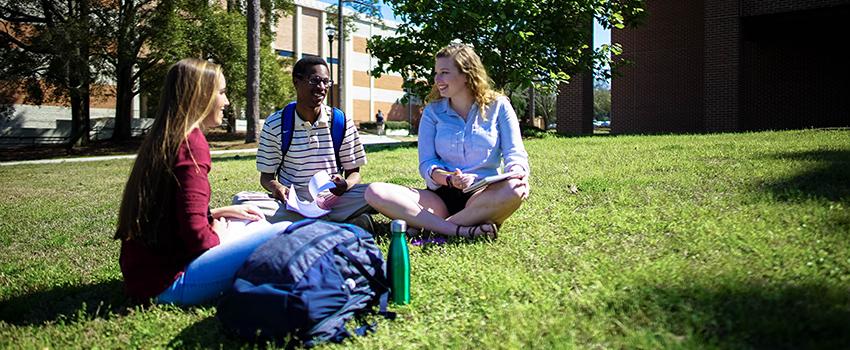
(467, 132)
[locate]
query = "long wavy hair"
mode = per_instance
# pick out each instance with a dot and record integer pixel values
(477, 80)
(188, 96)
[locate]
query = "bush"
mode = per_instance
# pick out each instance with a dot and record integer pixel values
(389, 125)
(397, 125)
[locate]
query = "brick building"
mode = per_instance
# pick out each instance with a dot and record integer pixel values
(300, 34)
(732, 65)
(303, 33)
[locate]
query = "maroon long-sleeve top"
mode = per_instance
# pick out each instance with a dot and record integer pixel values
(186, 229)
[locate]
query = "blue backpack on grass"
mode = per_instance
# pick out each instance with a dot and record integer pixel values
(306, 283)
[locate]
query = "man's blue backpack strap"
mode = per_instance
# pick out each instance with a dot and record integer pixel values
(287, 125)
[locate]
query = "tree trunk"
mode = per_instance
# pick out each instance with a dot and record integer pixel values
(126, 59)
(231, 118)
(123, 100)
(76, 119)
(530, 110)
(79, 72)
(252, 101)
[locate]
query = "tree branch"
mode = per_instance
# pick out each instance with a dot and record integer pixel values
(19, 17)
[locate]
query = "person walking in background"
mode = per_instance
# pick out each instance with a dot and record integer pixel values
(466, 132)
(174, 248)
(379, 121)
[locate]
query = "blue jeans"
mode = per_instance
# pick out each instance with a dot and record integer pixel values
(212, 273)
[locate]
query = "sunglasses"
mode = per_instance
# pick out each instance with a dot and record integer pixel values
(315, 81)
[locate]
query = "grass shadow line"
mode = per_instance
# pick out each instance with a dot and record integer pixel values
(829, 179)
(205, 334)
(746, 315)
(98, 300)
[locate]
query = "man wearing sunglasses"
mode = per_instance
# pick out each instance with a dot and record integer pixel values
(311, 148)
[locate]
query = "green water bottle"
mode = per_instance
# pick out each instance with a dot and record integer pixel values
(399, 264)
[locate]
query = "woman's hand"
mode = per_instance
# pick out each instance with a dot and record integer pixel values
(241, 212)
(219, 226)
(520, 181)
(460, 180)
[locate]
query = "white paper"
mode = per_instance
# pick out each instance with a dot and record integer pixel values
(319, 183)
(238, 227)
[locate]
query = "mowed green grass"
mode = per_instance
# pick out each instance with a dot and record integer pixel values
(688, 241)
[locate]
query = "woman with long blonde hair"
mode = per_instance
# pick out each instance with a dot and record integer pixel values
(467, 131)
(172, 246)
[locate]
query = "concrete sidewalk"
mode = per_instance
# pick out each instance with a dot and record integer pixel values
(366, 139)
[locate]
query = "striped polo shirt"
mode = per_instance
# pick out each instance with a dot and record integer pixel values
(311, 149)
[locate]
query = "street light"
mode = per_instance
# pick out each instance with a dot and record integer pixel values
(331, 31)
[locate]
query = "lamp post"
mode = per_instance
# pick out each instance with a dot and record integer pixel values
(331, 31)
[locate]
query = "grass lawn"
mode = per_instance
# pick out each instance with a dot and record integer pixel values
(690, 241)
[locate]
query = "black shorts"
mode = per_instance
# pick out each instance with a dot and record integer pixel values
(454, 199)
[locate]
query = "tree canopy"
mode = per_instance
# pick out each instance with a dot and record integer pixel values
(49, 50)
(522, 42)
(56, 50)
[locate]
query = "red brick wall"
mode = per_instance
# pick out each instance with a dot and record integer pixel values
(574, 105)
(722, 65)
(788, 79)
(661, 90)
(761, 7)
(730, 65)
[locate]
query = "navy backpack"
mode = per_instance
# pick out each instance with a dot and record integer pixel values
(306, 283)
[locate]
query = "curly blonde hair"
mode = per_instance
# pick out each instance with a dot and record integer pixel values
(477, 80)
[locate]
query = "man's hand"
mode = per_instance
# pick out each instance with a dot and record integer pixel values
(270, 183)
(341, 185)
(279, 191)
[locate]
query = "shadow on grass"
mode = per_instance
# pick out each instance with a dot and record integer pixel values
(90, 301)
(204, 334)
(828, 179)
(746, 315)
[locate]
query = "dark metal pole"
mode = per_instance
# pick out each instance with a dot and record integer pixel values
(341, 31)
(331, 62)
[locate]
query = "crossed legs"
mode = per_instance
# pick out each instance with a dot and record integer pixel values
(424, 209)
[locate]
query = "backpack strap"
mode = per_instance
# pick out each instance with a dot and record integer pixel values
(337, 134)
(287, 127)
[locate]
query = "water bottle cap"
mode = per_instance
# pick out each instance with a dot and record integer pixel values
(398, 226)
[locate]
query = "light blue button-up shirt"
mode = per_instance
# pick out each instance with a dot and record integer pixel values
(477, 145)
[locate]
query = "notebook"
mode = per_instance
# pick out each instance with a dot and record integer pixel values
(489, 180)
